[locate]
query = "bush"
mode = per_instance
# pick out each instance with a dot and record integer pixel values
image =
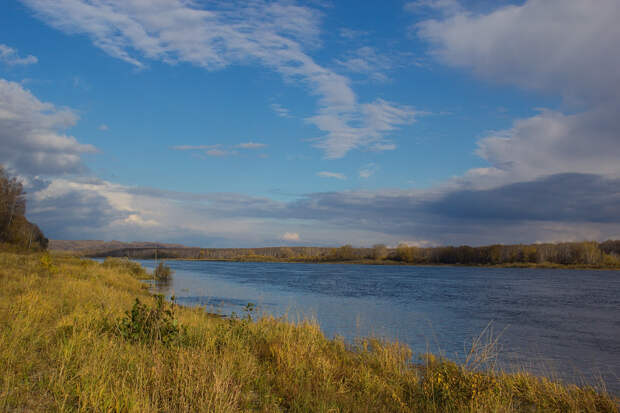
(162, 272)
(148, 325)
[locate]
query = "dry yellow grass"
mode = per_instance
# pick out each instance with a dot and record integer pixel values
(60, 351)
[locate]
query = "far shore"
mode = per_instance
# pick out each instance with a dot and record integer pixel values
(544, 265)
(584, 255)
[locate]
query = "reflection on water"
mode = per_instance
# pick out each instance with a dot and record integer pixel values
(558, 322)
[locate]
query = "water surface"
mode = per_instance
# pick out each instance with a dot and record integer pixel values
(555, 322)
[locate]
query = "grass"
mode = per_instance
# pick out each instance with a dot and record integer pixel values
(74, 338)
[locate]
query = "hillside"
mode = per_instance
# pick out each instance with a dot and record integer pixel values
(93, 246)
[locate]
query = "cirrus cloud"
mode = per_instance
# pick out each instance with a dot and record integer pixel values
(335, 175)
(273, 34)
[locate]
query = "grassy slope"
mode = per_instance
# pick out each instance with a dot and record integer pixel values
(60, 351)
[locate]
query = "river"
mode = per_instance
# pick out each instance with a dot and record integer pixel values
(560, 323)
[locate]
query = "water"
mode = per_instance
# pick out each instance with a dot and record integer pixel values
(564, 323)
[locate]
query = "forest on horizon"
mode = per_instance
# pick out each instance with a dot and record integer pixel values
(586, 253)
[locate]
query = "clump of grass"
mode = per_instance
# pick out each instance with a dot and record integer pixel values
(162, 272)
(125, 265)
(59, 353)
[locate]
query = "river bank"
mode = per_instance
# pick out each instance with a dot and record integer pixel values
(543, 265)
(73, 337)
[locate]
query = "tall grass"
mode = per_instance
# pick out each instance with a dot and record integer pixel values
(67, 343)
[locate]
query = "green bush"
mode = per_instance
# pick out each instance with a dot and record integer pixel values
(162, 272)
(148, 325)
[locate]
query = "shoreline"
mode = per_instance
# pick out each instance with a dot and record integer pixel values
(552, 266)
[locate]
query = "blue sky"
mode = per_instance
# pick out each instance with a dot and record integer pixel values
(280, 122)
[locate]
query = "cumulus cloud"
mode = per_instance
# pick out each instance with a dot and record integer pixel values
(10, 57)
(31, 134)
(335, 175)
(74, 210)
(578, 206)
(557, 46)
(80, 208)
(552, 142)
(560, 47)
(273, 34)
(290, 236)
(569, 197)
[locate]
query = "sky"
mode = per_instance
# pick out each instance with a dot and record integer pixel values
(258, 123)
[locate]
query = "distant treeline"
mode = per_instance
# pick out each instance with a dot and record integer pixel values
(588, 253)
(15, 229)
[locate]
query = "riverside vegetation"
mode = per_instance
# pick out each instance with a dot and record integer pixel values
(586, 254)
(77, 335)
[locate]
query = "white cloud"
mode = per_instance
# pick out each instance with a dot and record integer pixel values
(444, 6)
(10, 56)
(104, 127)
(552, 142)
(194, 147)
(250, 145)
(335, 175)
(280, 110)
(351, 33)
(72, 208)
(31, 134)
(383, 147)
(366, 60)
(376, 120)
(219, 149)
(290, 236)
(218, 152)
(558, 46)
(367, 170)
(273, 34)
(417, 243)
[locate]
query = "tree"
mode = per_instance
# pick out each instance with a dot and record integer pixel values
(379, 251)
(286, 252)
(404, 253)
(14, 227)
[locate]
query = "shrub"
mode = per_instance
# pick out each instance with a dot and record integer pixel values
(148, 325)
(47, 264)
(162, 272)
